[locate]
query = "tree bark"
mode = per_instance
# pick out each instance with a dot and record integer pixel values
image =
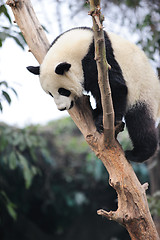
(102, 67)
(133, 211)
(30, 27)
(154, 169)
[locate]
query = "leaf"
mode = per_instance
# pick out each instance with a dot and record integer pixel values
(13, 90)
(27, 173)
(3, 9)
(17, 41)
(3, 36)
(1, 108)
(12, 161)
(11, 210)
(4, 83)
(9, 205)
(7, 97)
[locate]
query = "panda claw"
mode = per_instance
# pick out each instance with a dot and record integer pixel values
(100, 129)
(119, 127)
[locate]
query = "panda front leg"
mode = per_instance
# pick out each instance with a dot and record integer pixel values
(142, 131)
(98, 119)
(119, 104)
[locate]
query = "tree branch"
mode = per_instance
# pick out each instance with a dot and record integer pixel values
(31, 29)
(133, 211)
(103, 66)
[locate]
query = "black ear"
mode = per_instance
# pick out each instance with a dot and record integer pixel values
(34, 70)
(62, 67)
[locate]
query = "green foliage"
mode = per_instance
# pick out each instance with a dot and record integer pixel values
(17, 146)
(63, 126)
(3, 10)
(147, 24)
(133, 3)
(4, 93)
(9, 30)
(154, 203)
(129, 3)
(51, 178)
(11, 207)
(140, 16)
(19, 151)
(150, 24)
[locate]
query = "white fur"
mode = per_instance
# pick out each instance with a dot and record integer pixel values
(141, 80)
(62, 102)
(72, 46)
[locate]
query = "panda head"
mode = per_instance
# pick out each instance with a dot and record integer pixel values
(60, 83)
(61, 72)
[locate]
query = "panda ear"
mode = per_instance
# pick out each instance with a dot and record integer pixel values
(34, 70)
(62, 67)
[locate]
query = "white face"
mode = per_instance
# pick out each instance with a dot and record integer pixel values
(64, 80)
(62, 84)
(63, 98)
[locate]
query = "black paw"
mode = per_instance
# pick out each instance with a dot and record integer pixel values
(99, 124)
(119, 127)
(99, 128)
(98, 119)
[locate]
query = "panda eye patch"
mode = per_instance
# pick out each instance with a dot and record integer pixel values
(64, 92)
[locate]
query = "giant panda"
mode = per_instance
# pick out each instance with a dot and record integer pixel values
(69, 68)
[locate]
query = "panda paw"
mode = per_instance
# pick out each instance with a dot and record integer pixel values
(99, 128)
(99, 124)
(98, 119)
(119, 127)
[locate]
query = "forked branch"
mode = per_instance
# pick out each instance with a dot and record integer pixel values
(132, 210)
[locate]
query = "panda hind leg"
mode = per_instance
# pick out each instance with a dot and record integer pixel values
(142, 131)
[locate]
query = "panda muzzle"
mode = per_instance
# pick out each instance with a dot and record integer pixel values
(62, 109)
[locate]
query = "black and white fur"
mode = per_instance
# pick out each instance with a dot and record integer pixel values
(69, 68)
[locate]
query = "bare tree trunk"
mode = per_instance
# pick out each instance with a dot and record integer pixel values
(154, 170)
(133, 211)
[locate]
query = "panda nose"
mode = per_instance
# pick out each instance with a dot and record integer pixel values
(62, 109)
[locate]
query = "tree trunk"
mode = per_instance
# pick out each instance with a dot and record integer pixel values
(133, 211)
(154, 170)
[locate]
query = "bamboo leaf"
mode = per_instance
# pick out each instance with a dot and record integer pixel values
(4, 83)
(6, 96)
(9, 205)
(13, 90)
(11, 210)
(27, 172)
(1, 108)
(3, 9)
(12, 161)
